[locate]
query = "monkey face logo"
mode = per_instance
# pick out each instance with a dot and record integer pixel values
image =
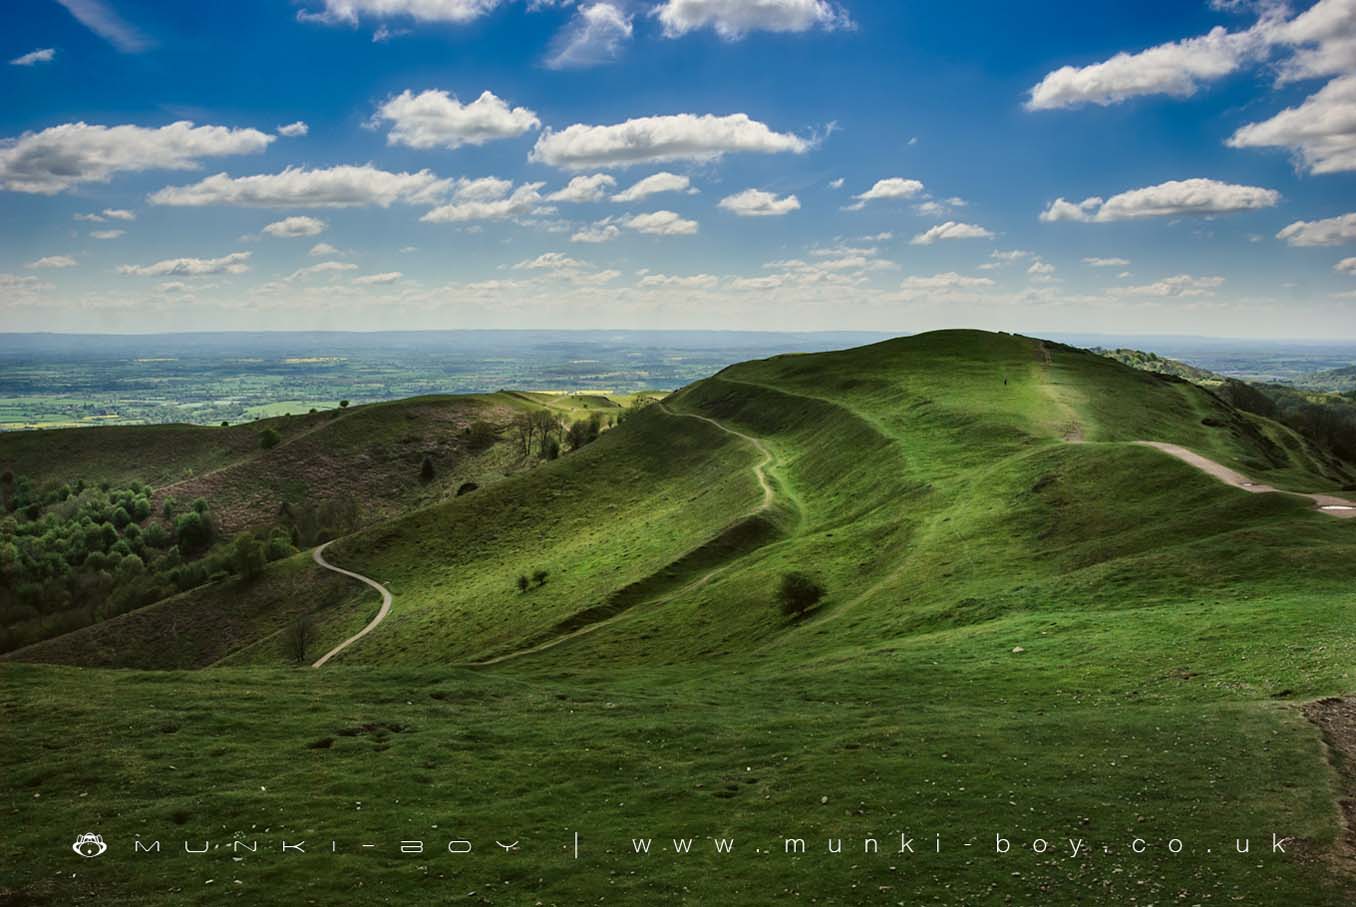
(89, 845)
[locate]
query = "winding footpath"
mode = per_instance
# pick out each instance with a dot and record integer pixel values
(319, 557)
(1325, 503)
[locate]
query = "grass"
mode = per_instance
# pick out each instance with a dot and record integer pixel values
(1021, 637)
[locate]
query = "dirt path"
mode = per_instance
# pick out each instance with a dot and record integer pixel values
(759, 470)
(1324, 503)
(318, 556)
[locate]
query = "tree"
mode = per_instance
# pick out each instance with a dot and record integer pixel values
(523, 583)
(268, 438)
(798, 594)
(297, 638)
(426, 471)
(480, 435)
(248, 556)
(193, 531)
(343, 404)
(539, 577)
(167, 508)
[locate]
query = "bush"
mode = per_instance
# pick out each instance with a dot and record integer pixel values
(248, 557)
(426, 471)
(343, 404)
(798, 594)
(539, 577)
(523, 583)
(268, 438)
(480, 435)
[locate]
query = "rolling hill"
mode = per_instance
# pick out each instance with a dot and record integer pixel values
(1033, 626)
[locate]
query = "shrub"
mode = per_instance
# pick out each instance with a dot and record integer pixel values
(268, 438)
(539, 577)
(426, 471)
(343, 404)
(798, 594)
(523, 583)
(248, 557)
(480, 435)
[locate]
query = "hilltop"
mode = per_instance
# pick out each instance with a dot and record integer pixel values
(1031, 624)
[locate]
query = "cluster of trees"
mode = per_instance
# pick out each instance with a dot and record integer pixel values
(538, 577)
(1329, 420)
(75, 554)
(545, 434)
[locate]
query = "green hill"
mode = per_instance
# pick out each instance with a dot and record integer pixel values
(1032, 627)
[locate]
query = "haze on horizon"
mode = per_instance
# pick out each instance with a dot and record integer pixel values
(1149, 168)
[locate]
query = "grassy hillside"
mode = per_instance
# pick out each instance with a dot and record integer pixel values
(1032, 627)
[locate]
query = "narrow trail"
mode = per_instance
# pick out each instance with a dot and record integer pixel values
(769, 497)
(318, 556)
(1324, 503)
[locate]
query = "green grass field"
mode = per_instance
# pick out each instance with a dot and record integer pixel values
(1032, 628)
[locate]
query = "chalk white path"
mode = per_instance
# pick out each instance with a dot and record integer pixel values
(319, 557)
(1326, 503)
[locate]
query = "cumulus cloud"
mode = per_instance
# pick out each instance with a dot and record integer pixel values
(950, 230)
(107, 234)
(893, 188)
(1174, 198)
(1321, 131)
(662, 223)
(600, 232)
(1003, 257)
(584, 189)
(59, 157)
(675, 282)
(344, 186)
(350, 12)
(106, 215)
(1177, 68)
(53, 261)
(22, 285)
(436, 119)
(293, 130)
(325, 267)
(1179, 285)
(757, 203)
(235, 263)
(642, 140)
(323, 248)
(33, 57)
(1096, 262)
(373, 280)
(732, 19)
(100, 18)
(295, 227)
(653, 184)
(948, 281)
(523, 200)
(1345, 266)
(594, 36)
(1331, 231)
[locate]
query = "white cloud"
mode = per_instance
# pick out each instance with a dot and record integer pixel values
(22, 285)
(549, 261)
(294, 130)
(60, 157)
(373, 280)
(1179, 285)
(296, 227)
(235, 263)
(106, 215)
(600, 232)
(325, 267)
(837, 183)
(107, 234)
(46, 55)
(1175, 69)
(349, 12)
(662, 223)
(584, 189)
(653, 184)
(732, 19)
(1095, 262)
(893, 188)
(1040, 268)
(681, 136)
(757, 203)
(1345, 266)
(948, 281)
(1321, 131)
(1002, 257)
(950, 230)
(53, 261)
(324, 248)
(1331, 231)
(674, 282)
(524, 200)
(594, 36)
(99, 17)
(436, 119)
(344, 186)
(1171, 199)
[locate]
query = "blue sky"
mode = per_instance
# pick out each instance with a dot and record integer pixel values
(1137, 167)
